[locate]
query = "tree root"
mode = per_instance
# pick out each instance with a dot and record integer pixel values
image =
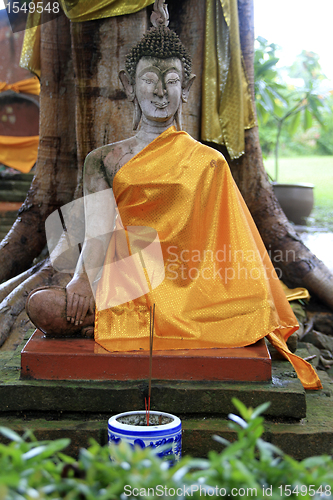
(12, 307)
(8, 286)
(17, 332)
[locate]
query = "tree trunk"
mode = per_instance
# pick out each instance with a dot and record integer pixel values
(56, 169)
(187, 19)
(52, 186)
(100, 100)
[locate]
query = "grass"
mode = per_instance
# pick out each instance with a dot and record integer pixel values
(317, 170)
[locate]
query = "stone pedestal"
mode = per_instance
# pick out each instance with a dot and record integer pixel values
(301, 423)
(83, 359)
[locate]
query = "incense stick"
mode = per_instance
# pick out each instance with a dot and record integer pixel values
(151, 340)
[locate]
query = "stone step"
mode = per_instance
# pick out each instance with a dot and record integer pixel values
(8, 195)
(8, 214)
(14, 185)
(7, 219)
(308, 437)
(285, 393)
(19, 176)
(298, 421)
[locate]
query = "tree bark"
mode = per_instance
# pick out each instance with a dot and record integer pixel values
(103, 114)
(12, 307)
(187, 19)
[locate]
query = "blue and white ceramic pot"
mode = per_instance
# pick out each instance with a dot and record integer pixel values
(163, 429)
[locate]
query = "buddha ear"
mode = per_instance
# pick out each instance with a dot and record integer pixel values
(127, 84)
(186, 89)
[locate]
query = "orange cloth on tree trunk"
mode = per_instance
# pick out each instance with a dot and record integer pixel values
(16, 151)
(28, 86)
(19, 152)
(220, 288)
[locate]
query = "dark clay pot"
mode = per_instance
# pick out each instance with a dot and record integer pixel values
(296, 200)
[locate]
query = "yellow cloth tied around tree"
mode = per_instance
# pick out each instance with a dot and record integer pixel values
(76, 11)
(220, 288)
(19, 152)
(16, 151)
(28, 86)
(30, 53)
(88, 10)
(227, 107)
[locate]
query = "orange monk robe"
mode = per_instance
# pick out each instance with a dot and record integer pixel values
(220, 288)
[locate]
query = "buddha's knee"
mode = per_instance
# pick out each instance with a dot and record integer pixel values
(46, 308)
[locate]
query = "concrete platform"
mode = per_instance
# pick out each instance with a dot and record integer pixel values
(207, 398)
(300, 423)
(83, 359)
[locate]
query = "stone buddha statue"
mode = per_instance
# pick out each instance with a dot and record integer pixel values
(219, 288)
(157, 80)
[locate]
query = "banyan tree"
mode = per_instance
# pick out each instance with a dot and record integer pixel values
(78, 56)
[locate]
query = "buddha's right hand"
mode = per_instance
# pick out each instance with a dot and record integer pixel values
(80, 299)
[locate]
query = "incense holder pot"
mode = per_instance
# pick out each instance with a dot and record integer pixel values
(164, 431)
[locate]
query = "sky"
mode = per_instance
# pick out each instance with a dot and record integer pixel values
(295, 25)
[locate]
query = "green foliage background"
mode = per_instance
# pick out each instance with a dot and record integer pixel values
(246, 467)
(305, 118)
(291, 107)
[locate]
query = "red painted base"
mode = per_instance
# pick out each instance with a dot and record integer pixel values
(82, 359)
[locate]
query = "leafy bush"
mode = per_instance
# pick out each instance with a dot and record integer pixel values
(325, 140)
(287, 108)
(247, 467)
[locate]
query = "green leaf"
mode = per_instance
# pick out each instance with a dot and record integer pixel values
(34, 452)
(66, 459)
(307, 119)
(260, 409)
(245, 413)
(278, 111)
(294, 123)
(268, 450)
(46, 450)
(56, 446)
(11, 478)
(312, 462)
(9, 434)
(314, 104)
(221, 440)
(268, 102)
(238, 420)
(262, 40)
(262, 68)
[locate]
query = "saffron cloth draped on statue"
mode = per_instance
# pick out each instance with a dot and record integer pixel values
(220, 288)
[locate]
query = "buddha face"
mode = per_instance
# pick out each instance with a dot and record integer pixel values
(158, 87)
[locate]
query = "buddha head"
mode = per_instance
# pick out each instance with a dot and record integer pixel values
(158, 78)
